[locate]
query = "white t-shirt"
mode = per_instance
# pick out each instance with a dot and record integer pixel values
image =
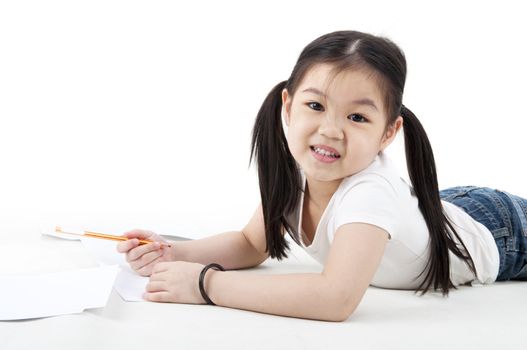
(377, 195)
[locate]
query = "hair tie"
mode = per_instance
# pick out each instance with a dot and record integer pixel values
(202, 278)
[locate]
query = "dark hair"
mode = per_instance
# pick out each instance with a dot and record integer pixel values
(279, 177)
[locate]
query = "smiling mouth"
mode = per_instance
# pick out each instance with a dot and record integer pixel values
(324, 153)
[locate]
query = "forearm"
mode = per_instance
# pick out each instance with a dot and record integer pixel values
(229, 249)
(305, 295)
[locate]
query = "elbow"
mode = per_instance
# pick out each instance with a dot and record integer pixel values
(343, 309)
(343, 301)
(343, 314)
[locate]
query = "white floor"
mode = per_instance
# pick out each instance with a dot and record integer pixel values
(485, 317)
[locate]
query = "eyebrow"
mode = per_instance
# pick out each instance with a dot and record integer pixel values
(362, 101)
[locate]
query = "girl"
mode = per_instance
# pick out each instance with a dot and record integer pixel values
(332, 188)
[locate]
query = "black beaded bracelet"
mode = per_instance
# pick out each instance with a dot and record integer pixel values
(202, 277)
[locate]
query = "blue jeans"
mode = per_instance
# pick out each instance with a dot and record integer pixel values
(505, 215)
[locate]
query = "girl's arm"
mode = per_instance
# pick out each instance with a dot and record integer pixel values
(232, 250)
(332, 295)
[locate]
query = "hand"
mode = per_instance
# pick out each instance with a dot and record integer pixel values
(142, 258)
(176, 282)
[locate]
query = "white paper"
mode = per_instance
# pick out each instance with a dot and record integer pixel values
(32, 257)
(130, 285)
(104, 251)
(55, 293)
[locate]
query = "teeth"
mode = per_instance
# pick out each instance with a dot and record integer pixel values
(324, 152)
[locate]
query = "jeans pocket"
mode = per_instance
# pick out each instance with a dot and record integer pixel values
(518, 210)
(503, 238)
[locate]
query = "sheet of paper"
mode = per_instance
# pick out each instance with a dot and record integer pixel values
(42, 256)
(104, 251)
(128, 283)
(55, 293)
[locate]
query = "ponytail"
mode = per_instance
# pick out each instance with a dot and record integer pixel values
(278, 175)
(422, 172)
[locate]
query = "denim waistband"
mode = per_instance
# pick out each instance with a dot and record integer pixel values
(505, 215)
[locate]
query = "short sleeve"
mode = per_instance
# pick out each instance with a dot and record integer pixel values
(372, 201)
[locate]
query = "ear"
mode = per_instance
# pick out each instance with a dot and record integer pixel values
(286, 106)
(391, 133)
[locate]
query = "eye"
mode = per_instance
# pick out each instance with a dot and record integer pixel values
(309, 104)
(357, 118)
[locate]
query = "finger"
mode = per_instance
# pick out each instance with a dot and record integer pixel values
(158, 276)
(143, 249)
(162, 297)
(156, 286)
(147, 269)
(125, 246)
(141, 234)
(146, 260)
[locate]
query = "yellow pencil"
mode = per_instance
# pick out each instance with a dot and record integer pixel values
(106, 236)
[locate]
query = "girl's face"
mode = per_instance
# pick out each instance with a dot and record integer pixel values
(350, 120)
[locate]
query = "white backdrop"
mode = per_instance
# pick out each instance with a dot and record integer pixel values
(138, 114)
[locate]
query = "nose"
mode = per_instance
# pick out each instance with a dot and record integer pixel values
(331, 128)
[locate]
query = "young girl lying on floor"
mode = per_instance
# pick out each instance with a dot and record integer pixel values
(332, 188)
